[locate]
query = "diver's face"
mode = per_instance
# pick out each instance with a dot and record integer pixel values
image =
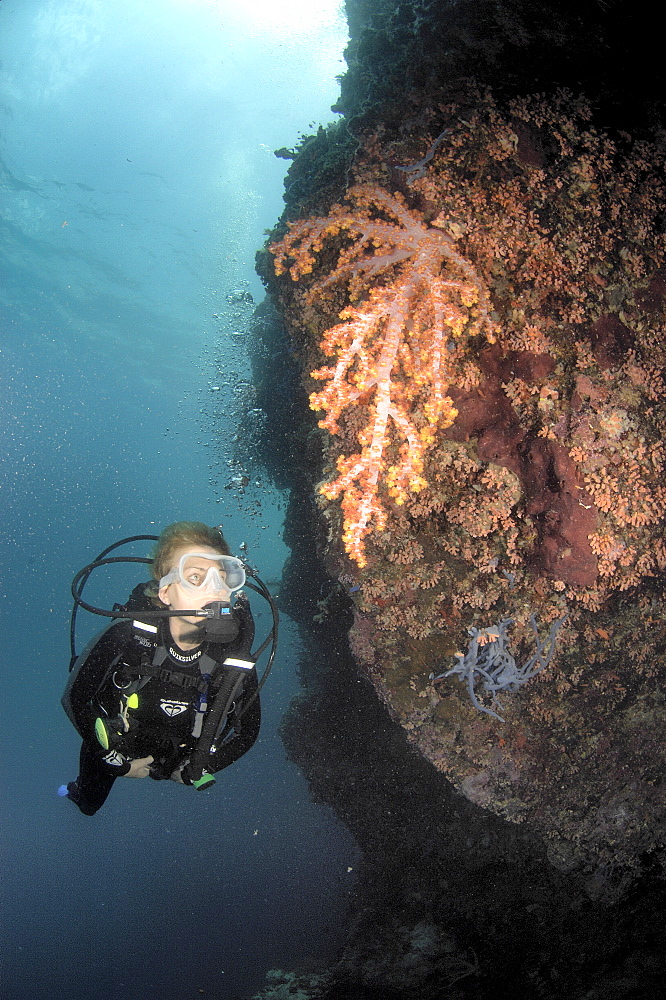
(190, 592)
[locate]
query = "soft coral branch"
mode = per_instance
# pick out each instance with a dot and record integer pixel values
(395, 350)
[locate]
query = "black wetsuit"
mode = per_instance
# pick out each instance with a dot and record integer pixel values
(167, 685)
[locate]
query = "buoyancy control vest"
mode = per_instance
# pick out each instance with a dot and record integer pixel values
(222, 672)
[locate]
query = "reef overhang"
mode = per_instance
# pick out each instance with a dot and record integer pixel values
(474, 284)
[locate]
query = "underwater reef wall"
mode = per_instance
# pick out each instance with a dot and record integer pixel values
(472, 272)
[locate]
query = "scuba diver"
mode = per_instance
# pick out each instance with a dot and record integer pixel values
(169, 689)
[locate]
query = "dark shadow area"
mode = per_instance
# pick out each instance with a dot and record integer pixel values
(400, 48)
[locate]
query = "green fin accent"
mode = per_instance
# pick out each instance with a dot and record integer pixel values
(133, 701)
(204, 781)
(101, 733)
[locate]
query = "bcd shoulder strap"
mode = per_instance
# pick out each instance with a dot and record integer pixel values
(234, 672)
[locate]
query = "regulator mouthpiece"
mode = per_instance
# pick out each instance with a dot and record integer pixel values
(219, 624)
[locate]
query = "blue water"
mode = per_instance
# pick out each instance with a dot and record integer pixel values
(137, 178)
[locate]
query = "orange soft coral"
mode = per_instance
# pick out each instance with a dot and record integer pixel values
(396, 351)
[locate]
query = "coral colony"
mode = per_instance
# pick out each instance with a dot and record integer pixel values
(399, 347)
(488, 660)
(497, 356)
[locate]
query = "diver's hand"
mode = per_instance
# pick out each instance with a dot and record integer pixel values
(140, 767)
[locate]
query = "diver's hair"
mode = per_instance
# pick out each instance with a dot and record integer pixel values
(175, 536)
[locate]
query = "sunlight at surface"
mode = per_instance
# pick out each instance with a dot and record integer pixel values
(287, 19)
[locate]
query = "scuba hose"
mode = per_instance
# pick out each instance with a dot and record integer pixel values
(81, 578)
(194, 770)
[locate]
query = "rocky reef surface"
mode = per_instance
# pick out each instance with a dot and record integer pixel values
(473, 280)
(471, 271)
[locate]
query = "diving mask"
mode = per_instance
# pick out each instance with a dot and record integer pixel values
(196, 575)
